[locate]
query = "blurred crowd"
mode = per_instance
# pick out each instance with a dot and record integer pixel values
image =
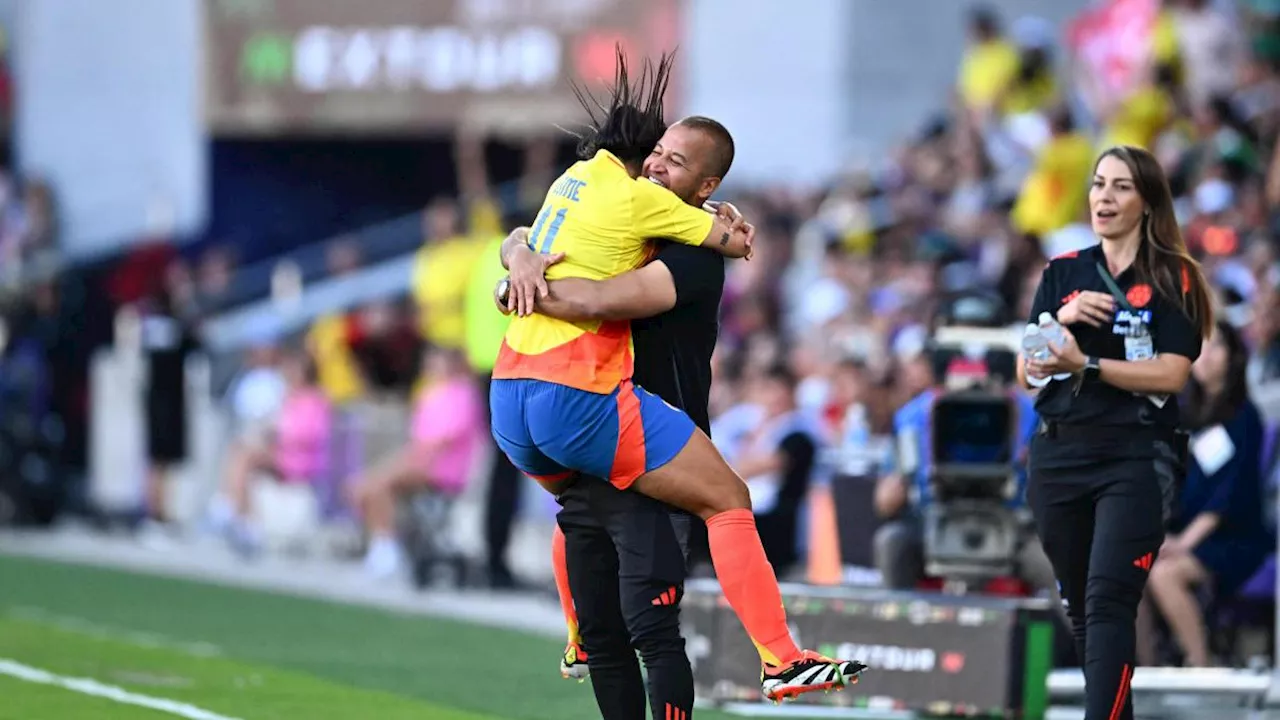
(852, 281)
(824, 345)
(28, 231)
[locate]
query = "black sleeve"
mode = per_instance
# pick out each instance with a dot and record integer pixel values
(697, 273)
(1172, 332)
(1045, 296)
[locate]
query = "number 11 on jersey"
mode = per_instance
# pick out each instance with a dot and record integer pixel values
(543, 242)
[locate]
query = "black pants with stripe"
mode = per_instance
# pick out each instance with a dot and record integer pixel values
(626, 555)
(1102, 525)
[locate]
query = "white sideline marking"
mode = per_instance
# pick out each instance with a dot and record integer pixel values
(98, 631)
(85, 686)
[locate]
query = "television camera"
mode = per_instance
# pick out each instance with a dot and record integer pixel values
(972, 531)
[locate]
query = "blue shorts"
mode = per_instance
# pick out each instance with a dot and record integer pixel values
(551, 431)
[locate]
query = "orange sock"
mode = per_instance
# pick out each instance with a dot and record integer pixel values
(748, 583)
(561, 569)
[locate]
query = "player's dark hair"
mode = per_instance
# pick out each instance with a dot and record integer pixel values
(632, 123)
(722, 157)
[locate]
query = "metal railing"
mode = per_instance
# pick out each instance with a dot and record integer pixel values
(280, 317)
(377, 243)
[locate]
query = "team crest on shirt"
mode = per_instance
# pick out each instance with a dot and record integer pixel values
(1139, 295)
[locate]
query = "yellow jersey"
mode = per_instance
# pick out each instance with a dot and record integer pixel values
(440, 273)
(336, 368)
(1040, 93)
(485, 326)
(441, 270)
(1058, 187)
(601, 219)
(986, 71)
(1139, 119)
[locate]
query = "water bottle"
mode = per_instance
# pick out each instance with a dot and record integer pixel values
(1035, 347)
(856, 431)
(855, 441)
(1054, 335)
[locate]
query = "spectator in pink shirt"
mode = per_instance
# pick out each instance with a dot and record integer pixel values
(297, 452)
(447, 428)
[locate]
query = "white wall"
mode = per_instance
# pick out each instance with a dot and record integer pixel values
(809, 86)
(904, 57)
(112, 90)
(769, 70)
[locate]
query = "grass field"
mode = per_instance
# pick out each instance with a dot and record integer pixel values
(243, 655)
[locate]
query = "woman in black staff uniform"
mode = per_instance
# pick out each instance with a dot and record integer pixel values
(1106, 461)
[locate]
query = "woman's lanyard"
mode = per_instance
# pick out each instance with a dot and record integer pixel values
(1138, 344)
(1115, 289)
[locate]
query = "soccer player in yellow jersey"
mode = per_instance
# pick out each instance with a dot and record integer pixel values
(562, 401)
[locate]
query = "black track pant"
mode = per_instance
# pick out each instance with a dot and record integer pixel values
(626, 556)
(1102, 526)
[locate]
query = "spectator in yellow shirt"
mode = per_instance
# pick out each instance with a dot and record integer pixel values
(990, 63)
(1139, 119)
(329, 337)
(1058, 185)
(1164, 43)
(443, 267)
(485, 326)
(1034, 87)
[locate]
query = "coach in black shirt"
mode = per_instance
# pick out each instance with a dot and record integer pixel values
(1105, 462)
(627, 553)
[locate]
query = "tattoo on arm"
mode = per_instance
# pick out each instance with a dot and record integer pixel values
(724, 239)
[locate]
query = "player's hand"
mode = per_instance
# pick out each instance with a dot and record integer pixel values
(729, 213)
(1065, 358)
(528, 279)
(1089, 307)
(737, 223)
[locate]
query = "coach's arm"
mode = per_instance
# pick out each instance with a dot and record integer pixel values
(641, 293)
(679, 275)
(730, 234)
